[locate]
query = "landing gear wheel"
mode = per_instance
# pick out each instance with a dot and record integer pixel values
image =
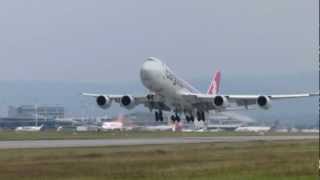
(192, 118)
(160, 116)
(178, 118)
(203, 116)
(199, 118)
(173, 118)
(156, 114)
(188, 119)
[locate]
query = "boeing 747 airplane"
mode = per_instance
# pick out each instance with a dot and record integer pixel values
(170, 93)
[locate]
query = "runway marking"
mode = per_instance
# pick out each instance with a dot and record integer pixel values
(132, 142)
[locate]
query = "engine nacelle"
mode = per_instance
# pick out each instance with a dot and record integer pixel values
(264, 102)
(128, 102)
(220, 102)
(103, 102)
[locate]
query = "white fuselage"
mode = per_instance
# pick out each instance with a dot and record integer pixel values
(158, 78)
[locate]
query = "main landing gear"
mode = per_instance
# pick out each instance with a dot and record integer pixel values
(158, 116)
(190, 118)
(201, 116)
(175, 118)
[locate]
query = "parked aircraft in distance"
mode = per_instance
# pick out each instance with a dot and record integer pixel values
(120, 124)
(29, 128)
(171, 93)
(110, 126)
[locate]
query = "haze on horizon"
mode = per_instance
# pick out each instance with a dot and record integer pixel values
(79, 40)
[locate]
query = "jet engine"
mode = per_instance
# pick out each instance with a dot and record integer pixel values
(103, 102)
(264, 102)
(220, 102)
(128, 102)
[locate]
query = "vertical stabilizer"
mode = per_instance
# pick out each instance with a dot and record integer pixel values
(215, 84)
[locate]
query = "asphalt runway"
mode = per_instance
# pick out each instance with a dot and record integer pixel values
(131, 142)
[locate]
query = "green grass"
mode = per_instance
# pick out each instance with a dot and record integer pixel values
(52, 135)
(285, 160)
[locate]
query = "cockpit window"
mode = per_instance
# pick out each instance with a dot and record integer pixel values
(152, 59)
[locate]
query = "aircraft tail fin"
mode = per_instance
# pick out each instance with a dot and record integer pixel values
(215, 84)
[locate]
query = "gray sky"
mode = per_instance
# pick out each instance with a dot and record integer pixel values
(84, 40)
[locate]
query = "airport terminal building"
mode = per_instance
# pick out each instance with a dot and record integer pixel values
(31, 115)
(47, 112)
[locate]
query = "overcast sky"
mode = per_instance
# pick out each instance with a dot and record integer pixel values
(88, 40)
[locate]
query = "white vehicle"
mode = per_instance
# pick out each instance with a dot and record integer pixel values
(170, 93)
(29, 128)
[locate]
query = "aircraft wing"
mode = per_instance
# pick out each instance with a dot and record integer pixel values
(206, 102)
(252, 99)
(149, 101)
(115, 98)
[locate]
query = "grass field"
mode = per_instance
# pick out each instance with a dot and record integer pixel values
(286, 160)
(53, 135)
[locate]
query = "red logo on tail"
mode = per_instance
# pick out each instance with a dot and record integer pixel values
(215, 84)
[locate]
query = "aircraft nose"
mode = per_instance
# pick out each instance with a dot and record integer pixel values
(150, 67)
(150, 70)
